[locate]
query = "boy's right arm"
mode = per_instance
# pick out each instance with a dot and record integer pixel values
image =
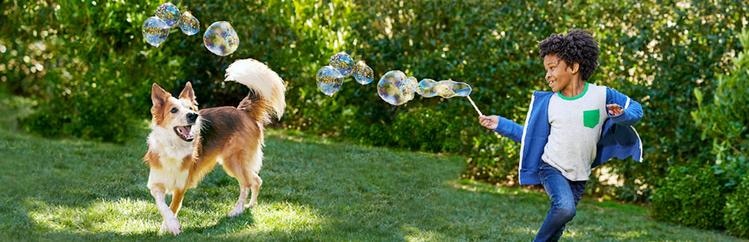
(503, 126)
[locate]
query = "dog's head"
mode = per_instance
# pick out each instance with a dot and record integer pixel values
(175, 114)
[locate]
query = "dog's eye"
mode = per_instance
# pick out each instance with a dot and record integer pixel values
(174, 110)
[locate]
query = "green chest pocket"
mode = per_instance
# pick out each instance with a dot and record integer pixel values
(591, 118)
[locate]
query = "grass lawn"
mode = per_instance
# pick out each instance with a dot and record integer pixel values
(313, 190)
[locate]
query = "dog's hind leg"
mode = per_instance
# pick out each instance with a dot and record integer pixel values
(239, 207)
(255, 183)
(238, 170)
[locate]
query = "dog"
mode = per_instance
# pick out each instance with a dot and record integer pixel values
(186, 143)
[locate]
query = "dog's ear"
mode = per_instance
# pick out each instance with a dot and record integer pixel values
(189, 94)
(158, 95)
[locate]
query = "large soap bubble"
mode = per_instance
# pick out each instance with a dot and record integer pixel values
(155, 31)
(396, 88)
(329, 80)
(169, 13)
(220, 38)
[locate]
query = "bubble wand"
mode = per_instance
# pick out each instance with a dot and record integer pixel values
(474, 106)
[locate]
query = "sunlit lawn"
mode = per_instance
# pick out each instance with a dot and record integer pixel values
(313, 190)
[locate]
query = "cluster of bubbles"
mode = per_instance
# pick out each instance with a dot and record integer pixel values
(330, 78)
(156, 28)
(220, 38)
(396, 88)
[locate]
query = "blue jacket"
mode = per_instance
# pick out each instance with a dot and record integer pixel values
(618, 138)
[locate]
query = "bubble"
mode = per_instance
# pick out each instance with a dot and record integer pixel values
(155, 31)
(426, 88)
(343, 62)
(461, 89)
(362, 73)
(220, 38)
(395, 88)
(445, 88)
(169, 13)
(188, 23)
(329, 80)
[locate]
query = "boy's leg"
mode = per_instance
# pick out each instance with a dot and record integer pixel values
(563, 201)
(578, 188)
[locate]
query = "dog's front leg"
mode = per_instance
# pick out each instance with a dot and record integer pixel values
(171, 224)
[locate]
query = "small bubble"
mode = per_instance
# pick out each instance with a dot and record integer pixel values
(169, 13)
(329, 80)
(363, 73)
(155, 31)
(188, 23)
(343, 62)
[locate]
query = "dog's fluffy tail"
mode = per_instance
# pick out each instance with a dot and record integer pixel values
(268, 88)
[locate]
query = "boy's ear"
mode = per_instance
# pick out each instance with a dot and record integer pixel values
(158, 95)
(188, 93)
(574, 68)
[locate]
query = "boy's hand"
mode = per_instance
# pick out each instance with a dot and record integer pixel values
(489, 122)
(614, 109)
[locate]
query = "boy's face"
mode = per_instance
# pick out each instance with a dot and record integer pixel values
(559, 75)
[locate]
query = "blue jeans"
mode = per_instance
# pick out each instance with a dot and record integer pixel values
(564, 195)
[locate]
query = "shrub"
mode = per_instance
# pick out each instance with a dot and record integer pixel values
(690, 195)
(737, 210)
(723, 123)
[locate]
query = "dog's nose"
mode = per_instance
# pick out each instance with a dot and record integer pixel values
(191, 117)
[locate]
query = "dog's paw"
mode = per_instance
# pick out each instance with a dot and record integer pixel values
(239, 209)
(171, 226)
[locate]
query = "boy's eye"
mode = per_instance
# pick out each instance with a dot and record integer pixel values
(174, 110)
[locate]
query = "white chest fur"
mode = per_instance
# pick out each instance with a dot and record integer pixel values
(171, 153)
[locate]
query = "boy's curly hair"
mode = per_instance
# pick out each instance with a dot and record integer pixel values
(578, 46)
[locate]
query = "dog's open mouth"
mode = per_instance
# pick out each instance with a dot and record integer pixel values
(184, 132)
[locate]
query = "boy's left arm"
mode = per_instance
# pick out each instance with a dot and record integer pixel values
(631, 109)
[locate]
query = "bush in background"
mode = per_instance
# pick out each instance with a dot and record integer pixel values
(723, 122)
(690, 196)
(737, 210)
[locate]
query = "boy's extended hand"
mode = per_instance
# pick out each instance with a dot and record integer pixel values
(489, 122)
(614, 109)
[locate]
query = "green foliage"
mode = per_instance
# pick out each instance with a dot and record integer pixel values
(690, 196)
(737, 210)
(723, 123)
(86, 65)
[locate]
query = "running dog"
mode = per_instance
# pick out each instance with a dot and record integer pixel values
(186, 143)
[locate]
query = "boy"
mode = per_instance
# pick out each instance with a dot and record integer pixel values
(570, 130)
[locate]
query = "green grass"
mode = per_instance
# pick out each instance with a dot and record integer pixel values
(314, 190)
